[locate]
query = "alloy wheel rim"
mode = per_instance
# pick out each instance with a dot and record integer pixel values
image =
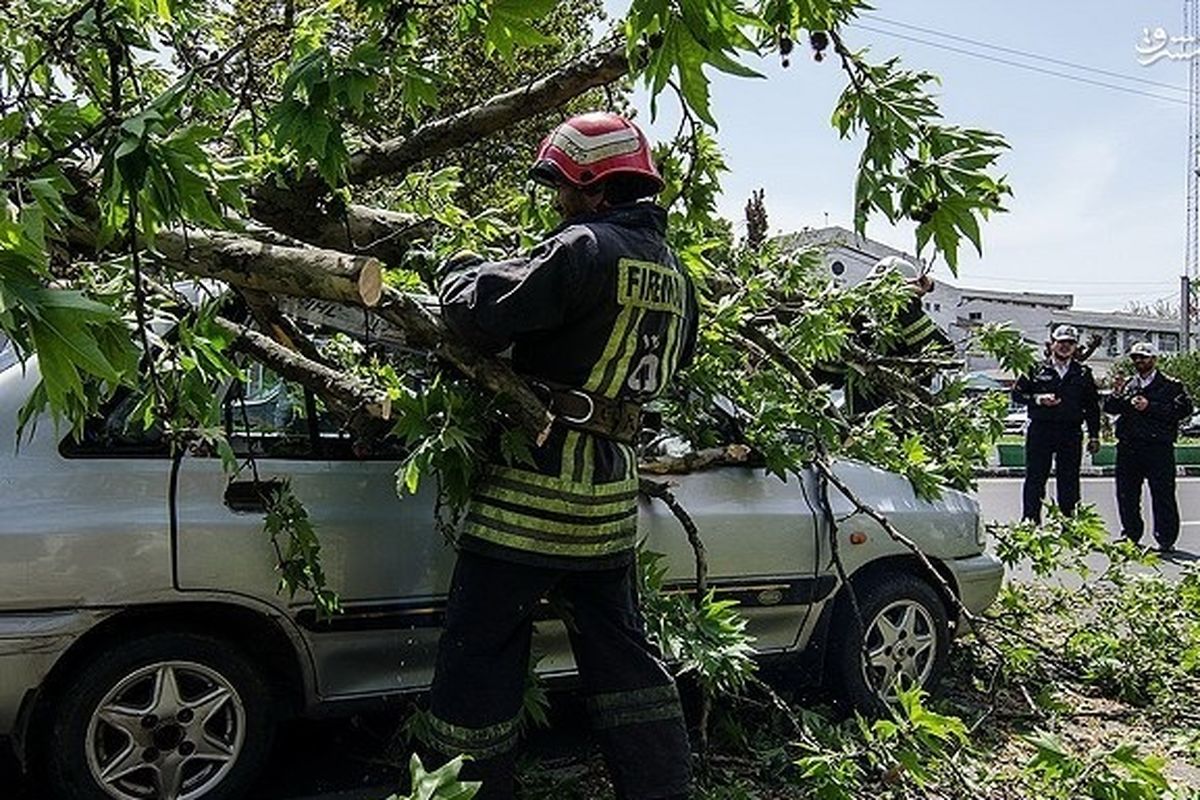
(899, 649)
(171, 730)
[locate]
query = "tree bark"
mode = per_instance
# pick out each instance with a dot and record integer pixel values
(304, 211)
(250, 264)
(440, 136)
(271, 320)
(309, 273)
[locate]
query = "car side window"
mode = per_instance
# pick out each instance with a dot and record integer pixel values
(117, 432)
(269, 417)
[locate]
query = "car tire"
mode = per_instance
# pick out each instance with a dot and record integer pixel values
(903, 638)
(166, 710)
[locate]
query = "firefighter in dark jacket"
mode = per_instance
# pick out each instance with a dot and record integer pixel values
(600, 316)
(1061, 396)
(916, 333)
(1149, 407)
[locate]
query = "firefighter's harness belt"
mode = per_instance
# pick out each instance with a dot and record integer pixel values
(582, 410)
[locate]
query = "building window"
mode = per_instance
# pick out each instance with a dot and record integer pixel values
(1168, 342)
(837, 268)
(937, 306)
(975, 316)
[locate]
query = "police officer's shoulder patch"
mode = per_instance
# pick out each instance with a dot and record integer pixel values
(650, 285)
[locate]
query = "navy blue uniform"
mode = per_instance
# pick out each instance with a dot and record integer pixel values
(1055, 432)
(1146, 453)
(602, 306)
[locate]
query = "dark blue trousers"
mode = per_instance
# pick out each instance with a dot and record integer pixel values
(1153, 463)
(1062, 443)
(483, 664)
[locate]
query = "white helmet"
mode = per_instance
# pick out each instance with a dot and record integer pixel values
(908, 270)
(1146, 349)
(1065, 333)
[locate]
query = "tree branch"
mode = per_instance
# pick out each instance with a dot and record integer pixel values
(784, 359)
(269, 318)
(304, 207)
(349, 396)
(440, 136)
(320, 274)
(303, 211)
(251, 264)
(662, 491)
(427, 331)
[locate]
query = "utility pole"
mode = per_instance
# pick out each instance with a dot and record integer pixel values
(1185, 313)
(1191, 261)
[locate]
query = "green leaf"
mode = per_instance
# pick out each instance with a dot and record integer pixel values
(508, 26)
(441, 784)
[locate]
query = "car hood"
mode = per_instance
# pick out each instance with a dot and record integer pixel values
(945, 528)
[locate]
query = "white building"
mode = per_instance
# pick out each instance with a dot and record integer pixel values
(848, 257)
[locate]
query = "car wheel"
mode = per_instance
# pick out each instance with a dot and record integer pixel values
(165, 717)
(902, 641)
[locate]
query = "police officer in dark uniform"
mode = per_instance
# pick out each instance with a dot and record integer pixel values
(1149, 407)
(1061, 396)
(600, 317)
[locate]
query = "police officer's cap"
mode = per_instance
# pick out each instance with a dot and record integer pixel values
(1143, 349)
(1065, 333)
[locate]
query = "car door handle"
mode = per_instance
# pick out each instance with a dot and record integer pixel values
(251, 496)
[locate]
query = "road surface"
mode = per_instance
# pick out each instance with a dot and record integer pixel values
(1000, 501)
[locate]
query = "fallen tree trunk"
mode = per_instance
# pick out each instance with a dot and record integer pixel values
(250, 264)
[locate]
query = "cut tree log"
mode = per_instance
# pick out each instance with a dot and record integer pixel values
(250, 264)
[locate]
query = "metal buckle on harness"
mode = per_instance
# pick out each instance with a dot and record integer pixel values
(590, 412)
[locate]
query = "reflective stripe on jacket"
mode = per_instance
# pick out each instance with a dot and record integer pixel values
(603, 305)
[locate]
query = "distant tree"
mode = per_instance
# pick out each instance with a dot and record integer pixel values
(1161, 308)
(756, 220)
(1185, 367)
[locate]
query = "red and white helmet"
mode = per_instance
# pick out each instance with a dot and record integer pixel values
(591, 147)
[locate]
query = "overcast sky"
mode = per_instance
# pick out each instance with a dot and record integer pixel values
(1098, 173)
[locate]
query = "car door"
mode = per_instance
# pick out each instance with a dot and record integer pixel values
(380, 553)
(763, 545)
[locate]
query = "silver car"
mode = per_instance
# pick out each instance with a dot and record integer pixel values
(146, 653)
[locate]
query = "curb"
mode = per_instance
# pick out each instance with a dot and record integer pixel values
(1182, 471)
